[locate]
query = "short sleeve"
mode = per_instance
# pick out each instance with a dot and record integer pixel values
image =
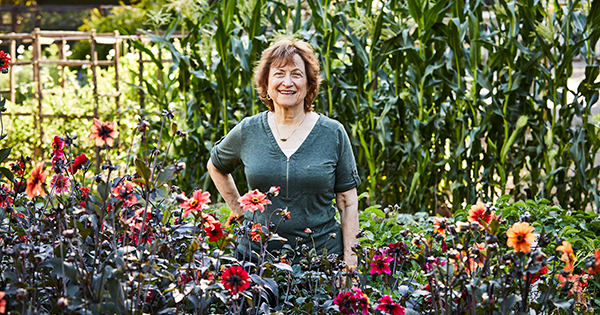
(225, 155)
(346, 175)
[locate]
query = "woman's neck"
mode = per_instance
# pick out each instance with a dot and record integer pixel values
(289, 116)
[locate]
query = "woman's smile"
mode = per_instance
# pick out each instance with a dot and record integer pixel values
(287, 83)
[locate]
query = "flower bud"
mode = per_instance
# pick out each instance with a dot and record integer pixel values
(417, 241)
(21, 294)
(180, 166)
(70, 233)
(462, 226)
(491, 239)
(62, 303)
(451, 228)
(273, 191)
(143, 125)
(474, 226)
(180, 198)
(34, 231)
(286, 214)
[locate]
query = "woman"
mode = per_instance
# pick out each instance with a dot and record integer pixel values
(306, 154)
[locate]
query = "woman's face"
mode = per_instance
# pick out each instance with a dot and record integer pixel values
(287, 83)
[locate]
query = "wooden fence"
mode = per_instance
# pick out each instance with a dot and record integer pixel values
(38, 39)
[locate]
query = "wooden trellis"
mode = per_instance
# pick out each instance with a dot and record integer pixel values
(39, 38)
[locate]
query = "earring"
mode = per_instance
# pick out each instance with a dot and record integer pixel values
(268, 97)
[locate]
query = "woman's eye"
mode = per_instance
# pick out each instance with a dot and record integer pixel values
(297, 74)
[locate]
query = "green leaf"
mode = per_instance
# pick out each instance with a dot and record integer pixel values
(494, 227)
(415, 8)
(139, 46)
(7, 173)
(413, 184)
(57, 268)
(142, 169)
(283, 266)
(4, 153)
(565, 305)
(509, 303)
(297, 17)
(522, 122)
(375, 210)
(103, 190)
(166, 215)
(255, 22)
(165, 175)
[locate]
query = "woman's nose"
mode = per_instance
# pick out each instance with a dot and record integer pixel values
(287, 80)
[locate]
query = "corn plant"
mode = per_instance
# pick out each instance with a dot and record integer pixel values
(446, 102)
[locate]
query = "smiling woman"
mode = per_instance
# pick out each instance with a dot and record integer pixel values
(306, 154)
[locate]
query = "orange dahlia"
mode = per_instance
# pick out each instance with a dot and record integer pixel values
(520, 237)
(568, 256)
(2, 303)
(103, 133)
(440, 225)
(254, 200)
(594, 268)
(34, 183)
(479, 213)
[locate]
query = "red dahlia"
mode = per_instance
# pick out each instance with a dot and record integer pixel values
(235, 279)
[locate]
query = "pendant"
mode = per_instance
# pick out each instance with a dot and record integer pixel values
(283, 139)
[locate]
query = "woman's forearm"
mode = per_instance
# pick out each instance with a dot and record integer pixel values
(348, 206)
(226, 187)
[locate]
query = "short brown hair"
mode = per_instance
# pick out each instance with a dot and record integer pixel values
(282, 52)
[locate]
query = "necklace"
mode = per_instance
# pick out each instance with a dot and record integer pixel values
(284, 139)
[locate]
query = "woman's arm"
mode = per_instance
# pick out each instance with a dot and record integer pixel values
(347, 203)
(226, 187)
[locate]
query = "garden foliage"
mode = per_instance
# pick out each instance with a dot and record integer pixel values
(134, 243)
(76, 243)
(443, 105)
(446, 102)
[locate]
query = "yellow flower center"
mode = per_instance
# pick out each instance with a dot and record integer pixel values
(255, 200)
(194, 203)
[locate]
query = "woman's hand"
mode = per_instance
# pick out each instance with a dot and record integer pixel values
(226, 187)
(347, 203)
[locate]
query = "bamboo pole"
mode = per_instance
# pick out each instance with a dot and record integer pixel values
(94, 57)
(37, 53)
(141, 76)
(13, 55)
(117, 48)
(61, 56)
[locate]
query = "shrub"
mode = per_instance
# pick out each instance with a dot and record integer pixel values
(113, 242)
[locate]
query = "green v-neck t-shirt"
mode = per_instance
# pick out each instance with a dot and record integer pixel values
(322, 166)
